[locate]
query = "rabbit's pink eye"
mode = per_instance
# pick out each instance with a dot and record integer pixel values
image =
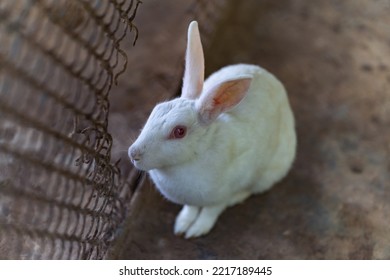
(178, 132)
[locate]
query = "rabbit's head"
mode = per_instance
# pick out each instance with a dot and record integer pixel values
(177, 131)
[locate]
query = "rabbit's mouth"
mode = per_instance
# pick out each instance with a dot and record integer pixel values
(139, 165)
(135, 156)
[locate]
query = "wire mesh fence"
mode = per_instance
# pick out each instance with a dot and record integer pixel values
(59, 190)
(61, 196)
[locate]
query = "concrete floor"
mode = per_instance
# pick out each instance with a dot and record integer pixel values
(333, 57)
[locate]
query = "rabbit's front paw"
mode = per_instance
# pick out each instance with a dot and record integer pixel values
(185, 218)
(204, 222)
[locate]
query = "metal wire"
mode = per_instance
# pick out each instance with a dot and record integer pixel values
(59, 191)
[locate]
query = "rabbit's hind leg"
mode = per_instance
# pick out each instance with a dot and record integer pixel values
(196, 221)
(204, 221)
(186, 218)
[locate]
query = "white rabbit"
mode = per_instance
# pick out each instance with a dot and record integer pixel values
(219, 142)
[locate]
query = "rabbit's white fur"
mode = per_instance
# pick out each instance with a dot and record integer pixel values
(240, 140)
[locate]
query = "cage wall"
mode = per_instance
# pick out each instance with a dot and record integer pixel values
(60, 192)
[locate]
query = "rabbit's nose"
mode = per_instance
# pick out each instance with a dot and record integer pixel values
(135, 153)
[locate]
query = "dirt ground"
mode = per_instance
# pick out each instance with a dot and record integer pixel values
(333, 58)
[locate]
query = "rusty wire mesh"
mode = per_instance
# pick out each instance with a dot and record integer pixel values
(59, 192)
(61, 196)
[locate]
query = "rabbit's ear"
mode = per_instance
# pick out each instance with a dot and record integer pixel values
(194, 67)
(222, 98)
